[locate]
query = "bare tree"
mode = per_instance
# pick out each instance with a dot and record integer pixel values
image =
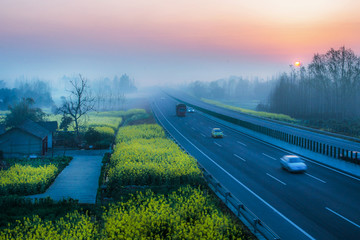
(79, 102)
(328, 88)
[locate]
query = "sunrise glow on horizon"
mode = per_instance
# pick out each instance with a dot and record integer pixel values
(160, 41)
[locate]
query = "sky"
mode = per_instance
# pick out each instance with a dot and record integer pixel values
(168, 41)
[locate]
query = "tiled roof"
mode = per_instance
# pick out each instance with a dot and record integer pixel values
(49, 125)
(34, 128)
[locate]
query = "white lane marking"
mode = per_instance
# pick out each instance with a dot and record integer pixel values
(269, 156)
(342, 217)
(288, 152)
(203, 135)
(276, 179)
(193, 128)
(332, 169)
(236, 180)
(239, 157)
(315, 177)
(217, 144)
(241, 143)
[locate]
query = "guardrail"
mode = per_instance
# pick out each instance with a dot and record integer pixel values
(309, 144)
(237, 207)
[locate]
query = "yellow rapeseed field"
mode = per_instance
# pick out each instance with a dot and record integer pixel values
(25, 179)
(185, 214)
(73, 226)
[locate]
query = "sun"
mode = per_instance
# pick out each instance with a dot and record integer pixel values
(297, 63)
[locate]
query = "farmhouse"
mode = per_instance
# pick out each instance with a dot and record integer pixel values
(27, 139)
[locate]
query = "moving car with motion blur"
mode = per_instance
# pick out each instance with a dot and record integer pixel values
(217, 133)
(293, 163)
(190, 109)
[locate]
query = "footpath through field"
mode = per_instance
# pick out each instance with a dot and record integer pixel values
(79, 180)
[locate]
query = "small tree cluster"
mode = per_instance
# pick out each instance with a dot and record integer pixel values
(23, 110)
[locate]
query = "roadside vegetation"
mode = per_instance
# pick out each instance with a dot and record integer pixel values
(321, 95)
(274, 116)
(156, 191)
(98, 129)
(153, 190)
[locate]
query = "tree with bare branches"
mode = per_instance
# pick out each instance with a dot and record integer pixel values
(79, 102)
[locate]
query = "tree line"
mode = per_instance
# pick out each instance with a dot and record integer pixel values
(329, 87)
(109, 93)
(233, 88)
(35, 89)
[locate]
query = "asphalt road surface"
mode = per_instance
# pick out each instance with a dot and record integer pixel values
(318, 204)
(321, 138)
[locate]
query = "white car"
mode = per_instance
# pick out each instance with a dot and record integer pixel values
(190, 110)
(293, 163)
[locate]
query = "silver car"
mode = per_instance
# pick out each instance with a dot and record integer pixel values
(293, 163)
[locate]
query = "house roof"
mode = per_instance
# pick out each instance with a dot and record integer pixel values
(49, 125)
(15, 129)
(34, 129)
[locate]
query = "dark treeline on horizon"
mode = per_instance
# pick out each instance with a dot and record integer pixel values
(35, 89)
(329, 87)
(234, 88)
(109, 93)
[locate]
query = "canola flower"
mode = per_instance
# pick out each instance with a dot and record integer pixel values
(108, 131)
(145, 131)
(142, 156)
(73, 226)
(275, 116)
(25, 179)
(185, 214)
(188, 213)
(155, 161)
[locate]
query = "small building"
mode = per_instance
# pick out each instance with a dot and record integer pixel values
(29, 138)
(51, 126)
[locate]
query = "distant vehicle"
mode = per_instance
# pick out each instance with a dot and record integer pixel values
(293, 163)
(190, 110)
(217, 133)
(180, 110)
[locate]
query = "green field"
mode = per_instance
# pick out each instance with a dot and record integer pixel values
(274, 116)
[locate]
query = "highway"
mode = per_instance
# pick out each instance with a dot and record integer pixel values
(318, 204)
(330, 140)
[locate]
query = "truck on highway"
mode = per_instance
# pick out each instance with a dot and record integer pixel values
(180, 110)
